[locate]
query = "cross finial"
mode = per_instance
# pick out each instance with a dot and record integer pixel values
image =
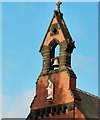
(58, 5)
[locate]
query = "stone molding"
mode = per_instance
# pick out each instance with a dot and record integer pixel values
(53, 110)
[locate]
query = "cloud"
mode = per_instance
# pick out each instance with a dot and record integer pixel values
(17, 106)
(10, 64)
(84, 63)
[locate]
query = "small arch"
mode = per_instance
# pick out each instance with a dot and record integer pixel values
(54, 43)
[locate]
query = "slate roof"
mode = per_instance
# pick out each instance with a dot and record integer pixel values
(90, 104)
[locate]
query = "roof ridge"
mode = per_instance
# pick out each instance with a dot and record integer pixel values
(87, 93)
(60, 19)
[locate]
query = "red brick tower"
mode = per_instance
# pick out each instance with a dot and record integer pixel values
(56, 93)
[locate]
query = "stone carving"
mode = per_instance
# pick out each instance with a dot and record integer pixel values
(50, 90)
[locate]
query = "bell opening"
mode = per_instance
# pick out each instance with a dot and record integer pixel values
(54, 54)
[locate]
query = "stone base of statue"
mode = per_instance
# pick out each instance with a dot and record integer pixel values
(50, 100)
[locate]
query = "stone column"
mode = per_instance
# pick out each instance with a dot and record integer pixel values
(63, 54)
(46, 59)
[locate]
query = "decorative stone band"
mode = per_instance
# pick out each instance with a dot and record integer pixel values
(52, 110)
(67, 69)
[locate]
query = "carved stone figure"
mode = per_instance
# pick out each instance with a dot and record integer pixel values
(50, 90)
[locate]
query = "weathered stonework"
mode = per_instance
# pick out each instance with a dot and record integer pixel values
(62, 102)
(53, 110)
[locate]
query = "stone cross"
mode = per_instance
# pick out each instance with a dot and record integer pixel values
(58, 5)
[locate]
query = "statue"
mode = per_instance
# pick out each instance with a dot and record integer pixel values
(50, 90)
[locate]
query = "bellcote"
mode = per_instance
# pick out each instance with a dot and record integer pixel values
(56, 76)
(57, 34)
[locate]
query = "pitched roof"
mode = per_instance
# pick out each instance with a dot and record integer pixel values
(90, 104)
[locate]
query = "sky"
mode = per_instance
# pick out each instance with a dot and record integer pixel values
(24, 25)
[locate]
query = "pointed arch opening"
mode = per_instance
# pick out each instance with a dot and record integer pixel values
(54, 54)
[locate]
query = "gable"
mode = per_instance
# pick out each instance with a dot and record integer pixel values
(57, 30)
(50, 35)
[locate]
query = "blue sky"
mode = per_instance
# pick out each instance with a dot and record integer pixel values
(24, 26)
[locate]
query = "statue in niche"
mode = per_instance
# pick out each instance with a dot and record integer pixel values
(50, 90)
